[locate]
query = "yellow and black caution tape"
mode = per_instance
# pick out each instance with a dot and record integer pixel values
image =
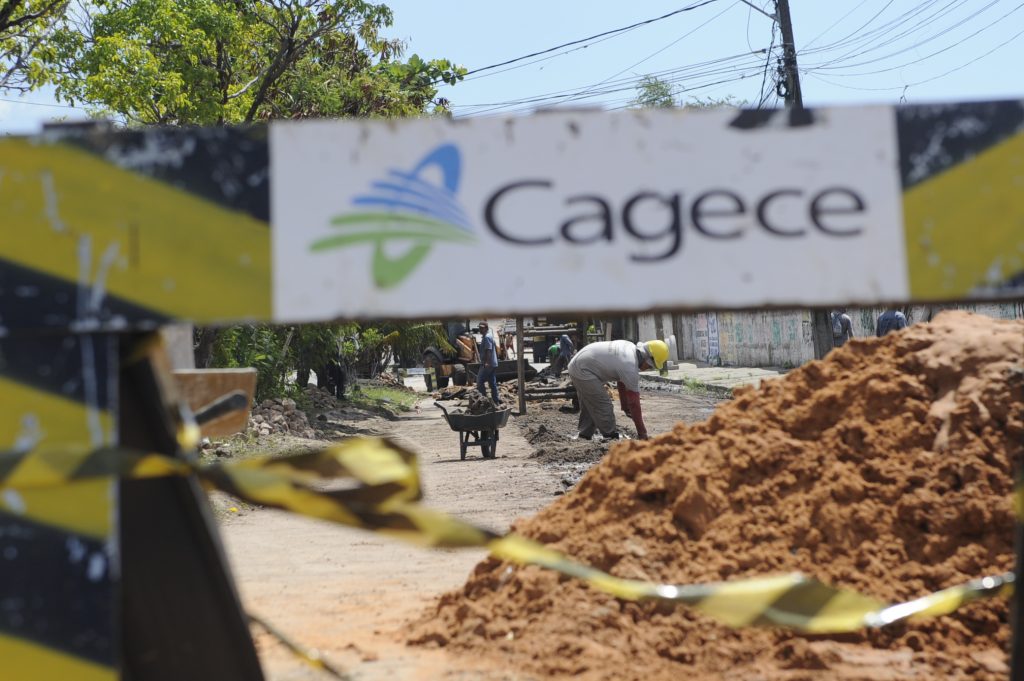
(385, 499)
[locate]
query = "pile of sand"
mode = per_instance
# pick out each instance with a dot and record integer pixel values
(886, 468)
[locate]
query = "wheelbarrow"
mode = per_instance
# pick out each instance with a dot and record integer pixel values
(477, 430)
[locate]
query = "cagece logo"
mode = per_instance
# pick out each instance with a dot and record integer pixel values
(405, 208)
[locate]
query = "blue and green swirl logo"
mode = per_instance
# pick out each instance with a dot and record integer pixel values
(405, 208)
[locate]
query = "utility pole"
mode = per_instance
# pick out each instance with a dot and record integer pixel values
(821, 321)
(794, 97)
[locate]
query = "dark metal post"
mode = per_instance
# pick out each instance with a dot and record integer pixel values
(521, 365)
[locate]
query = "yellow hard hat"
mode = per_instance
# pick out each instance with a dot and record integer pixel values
(658, 350)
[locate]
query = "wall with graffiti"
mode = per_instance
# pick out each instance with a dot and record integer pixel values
(777, 338)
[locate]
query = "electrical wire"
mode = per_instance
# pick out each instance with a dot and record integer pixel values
(917, 25)
(705, 87)
(714, 68)
(55, 106)
(875, 38)
(630, 82)
(854, 42)
(750, 12)
(916, 45)
(926, 80)
(862, 27)
(836, 23)
(762, 97)
(671, 44)
(688, 8)
(932, 54)
(524, 64)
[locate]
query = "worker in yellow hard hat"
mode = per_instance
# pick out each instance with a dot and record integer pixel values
(620, 361)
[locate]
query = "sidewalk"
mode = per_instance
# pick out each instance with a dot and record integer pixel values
(719, 380)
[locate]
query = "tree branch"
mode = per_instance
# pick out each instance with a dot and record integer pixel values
(26, 18)
(241, 92)
(7, 11)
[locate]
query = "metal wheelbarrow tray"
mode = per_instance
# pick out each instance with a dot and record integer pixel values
(477, 430)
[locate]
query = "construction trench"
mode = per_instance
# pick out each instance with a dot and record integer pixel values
(887, 469)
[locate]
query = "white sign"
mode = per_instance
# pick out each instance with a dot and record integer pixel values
(583, 212)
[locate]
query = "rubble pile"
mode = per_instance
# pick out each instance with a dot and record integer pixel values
(452, 392)
(282, 416)
(392, 381)
(506, 391)
(478, 404)
(320, 399)
(886, 468)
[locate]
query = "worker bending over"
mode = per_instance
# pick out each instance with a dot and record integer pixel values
(621, 361)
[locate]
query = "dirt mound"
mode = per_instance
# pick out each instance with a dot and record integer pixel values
(886, 468)
(553, 434)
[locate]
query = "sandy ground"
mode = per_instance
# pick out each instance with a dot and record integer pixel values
(349, 594)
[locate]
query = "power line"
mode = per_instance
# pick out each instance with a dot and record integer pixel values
(671, 44)
(716, 67)
(962, 66)
(666, 73)
(926, 80)
(932, 54)
(910, 17)
(629, 102)
(830, 67)
(750, 13)
(524, 64)
(694, 83)
(688, 8)
(762, 97)
(836, 23)
(55, 106)
(862, 27)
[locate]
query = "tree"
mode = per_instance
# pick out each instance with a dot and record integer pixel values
(211, 62)
(235, 61)
(277, 351)
(24, 25)
(654, 93)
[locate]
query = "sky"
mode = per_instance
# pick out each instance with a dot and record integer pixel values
(849, 52)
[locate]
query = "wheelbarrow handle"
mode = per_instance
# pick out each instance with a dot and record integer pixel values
(441, 407)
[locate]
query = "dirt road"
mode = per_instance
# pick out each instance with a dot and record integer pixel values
(349, 593)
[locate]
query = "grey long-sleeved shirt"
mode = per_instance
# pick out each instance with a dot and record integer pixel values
(608, 361)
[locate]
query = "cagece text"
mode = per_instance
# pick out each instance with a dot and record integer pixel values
(657, 219)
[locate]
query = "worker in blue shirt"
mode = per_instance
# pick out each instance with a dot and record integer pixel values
(890, 320)
(565, 352)
(488, 363)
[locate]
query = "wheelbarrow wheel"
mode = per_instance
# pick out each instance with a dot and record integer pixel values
(489, 449)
